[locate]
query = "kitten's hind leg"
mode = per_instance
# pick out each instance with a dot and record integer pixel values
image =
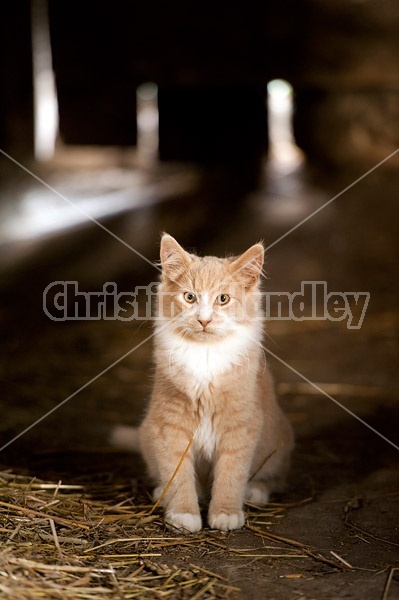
(269, 477)
(257, 493)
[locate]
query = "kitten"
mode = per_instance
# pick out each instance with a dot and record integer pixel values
(212, 382)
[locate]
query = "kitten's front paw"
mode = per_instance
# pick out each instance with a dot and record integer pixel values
(187, 522)
(257, 493)
(157, 492)
(226, 521)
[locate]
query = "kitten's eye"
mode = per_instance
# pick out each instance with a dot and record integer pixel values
(223, 299)
(189, 297)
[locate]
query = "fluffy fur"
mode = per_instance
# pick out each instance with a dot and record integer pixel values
(211, 380)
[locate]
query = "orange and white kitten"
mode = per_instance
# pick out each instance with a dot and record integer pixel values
(212, 382)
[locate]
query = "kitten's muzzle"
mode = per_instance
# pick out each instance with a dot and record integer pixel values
(204, 323)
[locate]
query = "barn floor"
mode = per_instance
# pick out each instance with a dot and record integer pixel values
(334, 533)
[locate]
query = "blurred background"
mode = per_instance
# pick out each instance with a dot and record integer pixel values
(221, 123)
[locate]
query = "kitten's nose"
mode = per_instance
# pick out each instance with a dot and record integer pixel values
(204, 322)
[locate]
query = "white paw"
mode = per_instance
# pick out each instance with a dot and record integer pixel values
(257, 493)
(157, 492)
(226, 521)
(187, 522)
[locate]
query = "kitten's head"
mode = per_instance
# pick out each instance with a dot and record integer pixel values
(207, 299)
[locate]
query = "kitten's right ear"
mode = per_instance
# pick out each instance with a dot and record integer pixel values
(174, 259)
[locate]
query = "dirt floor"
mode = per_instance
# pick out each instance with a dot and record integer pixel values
(334, 533)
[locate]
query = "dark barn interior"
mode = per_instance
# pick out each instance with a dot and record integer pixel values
(222, 124)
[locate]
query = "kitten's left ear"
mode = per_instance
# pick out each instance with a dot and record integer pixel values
(249, 265)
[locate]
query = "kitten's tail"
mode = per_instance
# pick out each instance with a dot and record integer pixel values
(125, 437)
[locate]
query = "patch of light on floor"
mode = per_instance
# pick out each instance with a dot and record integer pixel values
(283, 152)
(40, 213)
(44, 90)
(147, 122)
(97, 194)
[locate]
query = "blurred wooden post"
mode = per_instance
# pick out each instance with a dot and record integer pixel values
(96, 89)
(16, 95)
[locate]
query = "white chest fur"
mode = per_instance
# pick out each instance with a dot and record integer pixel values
(200, 363)
(203, 361)
(205, 438)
